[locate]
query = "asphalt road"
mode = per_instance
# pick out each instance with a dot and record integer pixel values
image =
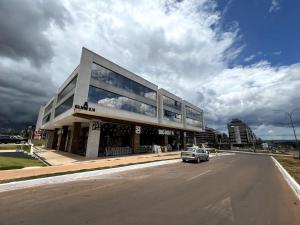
(237, 189)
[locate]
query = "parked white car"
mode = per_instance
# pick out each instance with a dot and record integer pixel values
(195, 154)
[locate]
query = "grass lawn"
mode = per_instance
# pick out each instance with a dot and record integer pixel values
(291, 165)
(8, 147)
(9, 163)
(14, 147)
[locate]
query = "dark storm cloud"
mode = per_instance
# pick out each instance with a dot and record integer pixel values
(23, 89)
(22, 26)
(25, 58)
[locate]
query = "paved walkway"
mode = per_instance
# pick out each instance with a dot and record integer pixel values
(57, 158)
(84, 164)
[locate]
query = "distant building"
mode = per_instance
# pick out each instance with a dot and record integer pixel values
(240, 133)
(211, 137)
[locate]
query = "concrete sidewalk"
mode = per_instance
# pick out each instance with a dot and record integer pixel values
(8, 175)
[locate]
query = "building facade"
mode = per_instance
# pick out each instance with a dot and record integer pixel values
(240, 133)
(212, 137)
(103, 109)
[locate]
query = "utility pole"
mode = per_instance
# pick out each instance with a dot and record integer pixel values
(290, 114)
(292, 124)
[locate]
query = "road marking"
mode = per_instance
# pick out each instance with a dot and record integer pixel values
(194, 177)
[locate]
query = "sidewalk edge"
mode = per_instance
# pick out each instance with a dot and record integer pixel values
(289, 179)
(78, 176)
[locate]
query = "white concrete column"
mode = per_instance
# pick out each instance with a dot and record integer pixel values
(50, 136)
(93, 140)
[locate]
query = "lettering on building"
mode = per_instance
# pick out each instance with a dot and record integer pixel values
(138, 129)
(96, 125)
(85, 106)
(165, 132)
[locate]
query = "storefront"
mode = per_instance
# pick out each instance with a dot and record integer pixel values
(103, 109)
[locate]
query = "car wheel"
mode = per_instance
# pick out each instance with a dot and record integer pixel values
(183, 160)
(198, 160)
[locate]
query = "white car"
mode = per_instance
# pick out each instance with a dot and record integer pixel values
(195, 154)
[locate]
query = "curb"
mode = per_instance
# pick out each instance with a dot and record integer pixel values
(289, 179)
(78, 176)
(255, 153)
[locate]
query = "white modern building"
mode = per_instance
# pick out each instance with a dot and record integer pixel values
(240, 133)
(103, 109)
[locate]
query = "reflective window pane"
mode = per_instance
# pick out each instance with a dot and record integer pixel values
(171, 116)
(171, 103)
(193, 114)
(193, 117)
(112, 78)
(67, 89)
(64, 106)
(46, 119)
(194, 123)
(48, 108)
(112, 100)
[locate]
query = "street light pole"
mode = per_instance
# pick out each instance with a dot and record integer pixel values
(292, 123)
(290, 114)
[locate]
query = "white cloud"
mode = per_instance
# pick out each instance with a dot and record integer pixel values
(175, 46)
(181, 47)
(274, 6)
(249, 58)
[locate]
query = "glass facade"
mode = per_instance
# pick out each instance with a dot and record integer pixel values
(46, 119)
(112, 78)
(193, 117)
(172, 116)
(171, 103)
(194, 123)
(113, 100)
(64, 106)
(67, 89)
(48, 108)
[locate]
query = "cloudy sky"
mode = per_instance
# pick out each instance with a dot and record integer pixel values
(233, 58)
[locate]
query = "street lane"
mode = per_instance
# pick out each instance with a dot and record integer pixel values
(236, 189)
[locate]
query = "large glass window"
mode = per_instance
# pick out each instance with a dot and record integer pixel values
(193, 117)
(64, 106)
(171, 103)
(193, 114)
(110, 77)
(48, 108)
(113, 100)
(67, 89)
(46, 118)
(168, 115)
(194, 123)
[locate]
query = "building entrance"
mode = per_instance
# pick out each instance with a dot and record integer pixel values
(115, 139)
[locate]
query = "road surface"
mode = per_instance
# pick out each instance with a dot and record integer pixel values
(237, 189)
